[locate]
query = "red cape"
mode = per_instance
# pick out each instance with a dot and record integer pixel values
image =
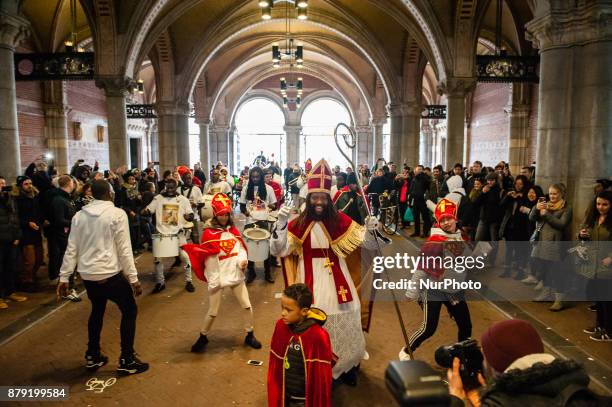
(318, 361)
(198, 253)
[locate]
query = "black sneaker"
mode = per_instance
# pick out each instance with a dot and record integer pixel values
(131, 365)
(159, 287)
(593, 307)
(251, 341)
(268, 277)
(590, 330)
(95, 361)
(200, 344)
(189, 287)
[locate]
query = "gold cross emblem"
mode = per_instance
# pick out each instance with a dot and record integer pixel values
(342, 293)
(329, 264)
(442, 206)
(223, 199)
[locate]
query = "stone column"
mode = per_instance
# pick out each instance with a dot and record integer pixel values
(292, 135)
(518, 127)
(397, 131)
(412, 134)
(365, 135)
(426, 144)
(205, 145)
(574, 125)
(13, 30)
(231, 142)
(377, 144)
(116, 90)
(173, 133)
(221, 143)
(154, 140)
(456, 90)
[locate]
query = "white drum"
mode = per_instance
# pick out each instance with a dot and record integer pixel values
(206, 212)
(259, 214)
(165, 245)
(258, 243)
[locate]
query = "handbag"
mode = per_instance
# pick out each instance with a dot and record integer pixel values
(535, 236)
(408, 215)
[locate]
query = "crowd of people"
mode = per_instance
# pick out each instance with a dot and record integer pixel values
(318, 218)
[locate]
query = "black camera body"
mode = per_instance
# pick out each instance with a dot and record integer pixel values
(415, 383)
(469, 354)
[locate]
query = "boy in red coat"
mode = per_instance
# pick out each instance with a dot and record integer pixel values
(301, 357)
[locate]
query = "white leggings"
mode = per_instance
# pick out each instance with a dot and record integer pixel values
(214, 302)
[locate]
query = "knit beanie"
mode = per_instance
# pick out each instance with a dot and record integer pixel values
(21, 179)
(506, 341)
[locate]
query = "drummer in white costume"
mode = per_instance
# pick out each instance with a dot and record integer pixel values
(172, 214)
(320, 248)
(217, 185)
(257, 195)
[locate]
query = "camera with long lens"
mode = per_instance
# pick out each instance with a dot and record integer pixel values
(469, 355)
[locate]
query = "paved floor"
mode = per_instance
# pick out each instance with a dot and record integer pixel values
(51, 353)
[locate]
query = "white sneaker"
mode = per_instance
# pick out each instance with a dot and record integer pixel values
(530, 280)
(73, 296)
(539, 286)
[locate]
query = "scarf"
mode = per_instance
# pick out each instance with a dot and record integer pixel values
(552, 207)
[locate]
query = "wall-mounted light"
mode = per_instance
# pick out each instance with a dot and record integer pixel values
(302, 3)
(140, 86)
(265, 3)
(69, 46)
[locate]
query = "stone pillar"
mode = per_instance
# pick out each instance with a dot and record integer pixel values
(365, 135)
(231, 141)
(205, 145)
(116, 89)
(221, 143)
(173, 133)
(377, 144)
(456, 90)
(426, 144)
(518, 127)
(412, 134)
(397, 131)
(574, 125)
(292, 135)
(154, 140)
(13, 30)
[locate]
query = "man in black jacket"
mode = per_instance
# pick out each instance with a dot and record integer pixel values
(418, 188)
(26, 197)
(60, 219)
(9, 239)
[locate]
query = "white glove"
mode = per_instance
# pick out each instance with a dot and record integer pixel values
(371, 223)
(283, 216)
(404, 355)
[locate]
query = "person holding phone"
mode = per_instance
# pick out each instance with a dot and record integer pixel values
(552, 218)
(99, 248)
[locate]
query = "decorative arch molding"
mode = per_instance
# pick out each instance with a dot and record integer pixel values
(259, 73)
(324, 21)
(323, 94)
(258, 94)
(320, 71)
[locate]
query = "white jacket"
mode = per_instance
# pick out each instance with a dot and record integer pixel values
(223, 270)
(99, 244)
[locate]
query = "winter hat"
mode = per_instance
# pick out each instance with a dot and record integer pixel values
(21, 179)
(506, 341)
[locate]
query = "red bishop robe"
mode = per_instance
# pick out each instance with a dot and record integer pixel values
(211, 245)
(318, 363)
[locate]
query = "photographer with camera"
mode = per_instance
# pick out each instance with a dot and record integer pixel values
(515, 372)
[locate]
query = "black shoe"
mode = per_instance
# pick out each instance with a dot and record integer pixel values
(200, 344)
(177, 262)
(415, 234)
(189, 287)
(251, 341)
(520, 275)
(506, 274)
(95, 361)
(593, 307)
(159, 287)
(131, 365)
(250, 276)
(350, 377)
(268, 277)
